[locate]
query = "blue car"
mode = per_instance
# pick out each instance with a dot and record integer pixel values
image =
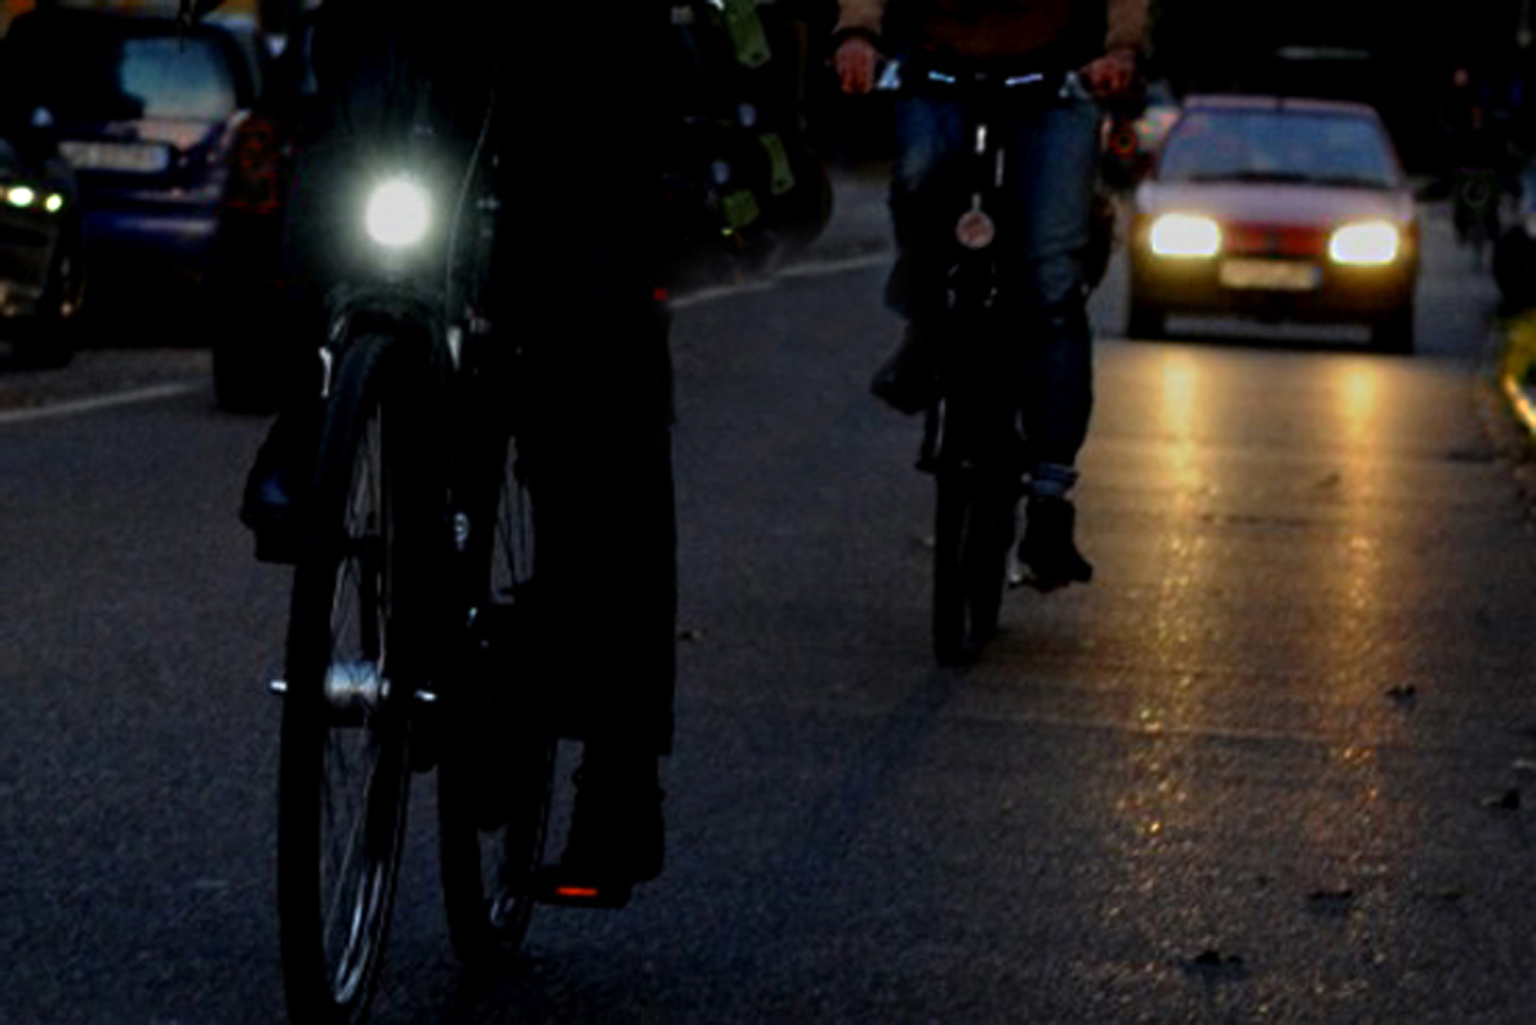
(145, 111)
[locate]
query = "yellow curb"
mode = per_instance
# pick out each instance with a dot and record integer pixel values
(1521, 403)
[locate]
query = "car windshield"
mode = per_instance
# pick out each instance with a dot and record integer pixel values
(175, 80)
(140, 76)
(1279, 146)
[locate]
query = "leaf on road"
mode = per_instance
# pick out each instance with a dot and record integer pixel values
(1213, 965)
(1403, 693)
(1335, 901)
(1507, 801)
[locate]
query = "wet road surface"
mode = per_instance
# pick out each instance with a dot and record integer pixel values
(1273, 764)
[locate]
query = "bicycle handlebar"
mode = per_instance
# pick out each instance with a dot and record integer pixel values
(997, 80)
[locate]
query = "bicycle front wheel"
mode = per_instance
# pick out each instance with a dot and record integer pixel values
(973, 530)
(345, 767)
(496, 780)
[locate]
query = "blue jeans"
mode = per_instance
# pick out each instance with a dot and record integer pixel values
(1052, 160)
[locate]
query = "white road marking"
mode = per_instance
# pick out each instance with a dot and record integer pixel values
(818, 269)
(79, 407)
(704, 296)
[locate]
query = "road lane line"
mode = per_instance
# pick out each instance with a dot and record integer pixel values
(828, 267)
(811, 269)
(79, 407)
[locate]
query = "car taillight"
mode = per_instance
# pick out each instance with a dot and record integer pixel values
(256, 165)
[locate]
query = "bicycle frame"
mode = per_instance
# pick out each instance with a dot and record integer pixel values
(390, 664)
(973, 366)
(971, 435)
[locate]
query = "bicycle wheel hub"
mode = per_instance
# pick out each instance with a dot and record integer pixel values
(354, 685)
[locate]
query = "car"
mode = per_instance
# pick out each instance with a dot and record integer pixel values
(1278, 208)
(42, 242)
(144, 109)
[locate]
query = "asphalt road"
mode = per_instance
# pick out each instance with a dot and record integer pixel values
(1273, 764)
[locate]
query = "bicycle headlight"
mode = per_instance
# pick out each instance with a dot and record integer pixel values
(1369, 244)
(399, 213)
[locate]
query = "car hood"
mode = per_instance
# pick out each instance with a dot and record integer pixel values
(1276, 203)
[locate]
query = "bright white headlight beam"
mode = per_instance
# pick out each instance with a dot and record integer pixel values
(399, 214)
(1369, 244)
(1185, 235)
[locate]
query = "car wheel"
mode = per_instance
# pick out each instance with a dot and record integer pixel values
(1146, 322)
(243, 382)
(1394, 333)
(49, 341)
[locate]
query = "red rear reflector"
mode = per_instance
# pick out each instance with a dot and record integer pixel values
(257, 165)
(578, 892)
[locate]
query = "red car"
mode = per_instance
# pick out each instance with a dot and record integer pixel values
(1281, 209)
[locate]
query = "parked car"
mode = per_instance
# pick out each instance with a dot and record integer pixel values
(1283, 209)
(145, 110)
(252, 354)
(42, 241)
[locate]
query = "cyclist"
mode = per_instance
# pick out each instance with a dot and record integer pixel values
(1056, 156)
(575, 245)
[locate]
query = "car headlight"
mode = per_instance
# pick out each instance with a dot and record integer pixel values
(25, 197)
(1186, 235)
(399, 213)
(1370, 244)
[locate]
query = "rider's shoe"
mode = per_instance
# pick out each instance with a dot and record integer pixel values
(908, 380)
(270, 509)
(271, 505)
(1048, 548)
(617, 837)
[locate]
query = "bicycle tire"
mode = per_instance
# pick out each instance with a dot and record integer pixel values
(496, 781)
(973, 530)
(344, 774)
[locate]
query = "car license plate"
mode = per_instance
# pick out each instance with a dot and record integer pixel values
(130, 157)
(1271, 275)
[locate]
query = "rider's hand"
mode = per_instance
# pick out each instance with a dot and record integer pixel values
(856, 60)
(1112, 75)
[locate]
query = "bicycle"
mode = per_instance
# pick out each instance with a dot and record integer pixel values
(1477, 196)
(972, 444)
(414, 593)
